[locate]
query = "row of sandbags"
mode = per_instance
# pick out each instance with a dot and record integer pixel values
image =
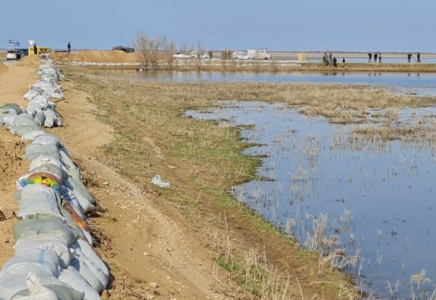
(41, 110)
(54, 257)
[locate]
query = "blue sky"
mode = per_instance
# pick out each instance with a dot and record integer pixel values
(335, 25)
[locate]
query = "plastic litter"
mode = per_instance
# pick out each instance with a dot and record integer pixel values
(157, 180)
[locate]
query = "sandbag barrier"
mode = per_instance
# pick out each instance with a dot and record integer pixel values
(54, 257)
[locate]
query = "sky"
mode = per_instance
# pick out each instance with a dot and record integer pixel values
(279, 25)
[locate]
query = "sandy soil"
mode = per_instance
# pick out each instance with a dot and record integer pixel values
(149, 255)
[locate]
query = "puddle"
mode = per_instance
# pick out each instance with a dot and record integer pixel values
(372, 197)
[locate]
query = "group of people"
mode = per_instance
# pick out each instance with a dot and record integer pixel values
(330, 59)
(418, 57)
(376, 56)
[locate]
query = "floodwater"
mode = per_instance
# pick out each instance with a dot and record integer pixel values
(422, 83)
(375, 197)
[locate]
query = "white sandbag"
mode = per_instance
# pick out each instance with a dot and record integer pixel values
(20, 275)
(48, 242)
(33, 108)
(65, 158)
(35, 150)
(9, 121)
(47, 139)
(23, 129)
(89, 273)
(39, 118)
(28, 136)
(30, 95)
(91, 254)
(50, 118)
(23, 119)
(46, 260)
(73, 278)
(44, 160)
(36, 290)
(79, 187)
(44, 225)
(38, 199)
(83, 201)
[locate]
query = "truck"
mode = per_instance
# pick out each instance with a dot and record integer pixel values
(259, 54)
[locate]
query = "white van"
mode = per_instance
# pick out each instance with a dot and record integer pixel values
(259, 54)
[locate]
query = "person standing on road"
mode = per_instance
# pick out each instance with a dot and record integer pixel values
(35, 49)
(69, 47)
(369, 57)
(375, 57)
(418, 58)
(343, 62)
(335, 62)
(409, 57)
(379, 58)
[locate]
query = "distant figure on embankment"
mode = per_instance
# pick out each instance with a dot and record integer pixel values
(409, 57)
(418, 58)
(69, 47)
(335, 62)
(375, 57)
(379, 58)
(369, 57)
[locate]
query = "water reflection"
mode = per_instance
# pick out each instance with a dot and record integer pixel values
(373, 197)
(425, 81)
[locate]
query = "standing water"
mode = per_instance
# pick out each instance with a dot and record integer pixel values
(333, 190)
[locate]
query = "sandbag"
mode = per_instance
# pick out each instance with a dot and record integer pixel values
(52, 169)
(38, 199)
(39, 118)
(71, 223)
(73, 278)
(44, 225)
(28, 136)
(83, 201)
(90, 253)
(47, 139)
(46, 260)
(46, 179)
(42, 279)
(43, 160)
(79, 187)
(23, 119)
(23, 129)
(89, 273)
(34, 150)
(48, 242)
(8, 121)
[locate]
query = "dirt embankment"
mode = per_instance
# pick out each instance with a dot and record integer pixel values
(147, 253)
(114, 56)
(152, 252)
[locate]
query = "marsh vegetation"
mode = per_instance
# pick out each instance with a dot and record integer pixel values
(205, 159)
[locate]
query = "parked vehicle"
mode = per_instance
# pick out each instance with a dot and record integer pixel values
(180, 55)
(12, 54)
(124, 48)
(198, 54)
(259, 54)
(241, 55)
(16, 54)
